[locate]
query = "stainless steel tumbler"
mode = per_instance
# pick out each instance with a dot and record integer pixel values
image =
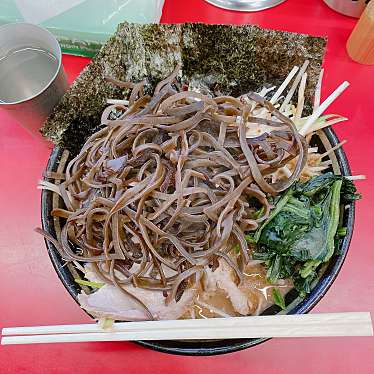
(245, 5)
(352, 8)
(34, 88)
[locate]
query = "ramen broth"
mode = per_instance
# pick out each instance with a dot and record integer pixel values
(255, 287)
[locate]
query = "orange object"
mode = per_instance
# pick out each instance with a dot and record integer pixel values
(360, 45)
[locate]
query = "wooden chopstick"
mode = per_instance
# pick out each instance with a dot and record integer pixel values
(198, 323)
(306, 325)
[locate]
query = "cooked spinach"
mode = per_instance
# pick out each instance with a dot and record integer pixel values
(278, 298)
(300, 233)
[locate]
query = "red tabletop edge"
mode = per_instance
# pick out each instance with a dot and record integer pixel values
(31, 293)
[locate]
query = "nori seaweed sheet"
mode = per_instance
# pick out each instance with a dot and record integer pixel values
(220, 59)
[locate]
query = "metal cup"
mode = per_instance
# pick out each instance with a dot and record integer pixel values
(31, 112)
(352, 8)
(245, 5)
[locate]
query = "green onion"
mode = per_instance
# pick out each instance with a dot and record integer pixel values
(237, 248)
(250, 238)
(88, 283)
(259, 213)
(342, 231)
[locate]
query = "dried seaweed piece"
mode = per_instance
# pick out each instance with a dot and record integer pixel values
(220, 59)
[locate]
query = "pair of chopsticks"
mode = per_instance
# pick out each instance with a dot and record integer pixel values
(306, 325)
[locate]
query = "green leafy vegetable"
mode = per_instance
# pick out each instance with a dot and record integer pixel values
(300, 233)
(278, 298)
(349, 192)
(304, 285)
(309, 268)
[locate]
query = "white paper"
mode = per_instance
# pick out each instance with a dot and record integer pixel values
(38, 11)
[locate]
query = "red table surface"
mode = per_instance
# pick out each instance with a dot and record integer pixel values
(32, 294)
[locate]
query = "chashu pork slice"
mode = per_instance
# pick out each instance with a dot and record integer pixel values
(224, 278)
(109, 302)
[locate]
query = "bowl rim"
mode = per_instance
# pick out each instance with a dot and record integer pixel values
(216, 347)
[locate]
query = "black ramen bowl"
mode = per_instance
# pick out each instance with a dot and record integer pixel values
(295, 305)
